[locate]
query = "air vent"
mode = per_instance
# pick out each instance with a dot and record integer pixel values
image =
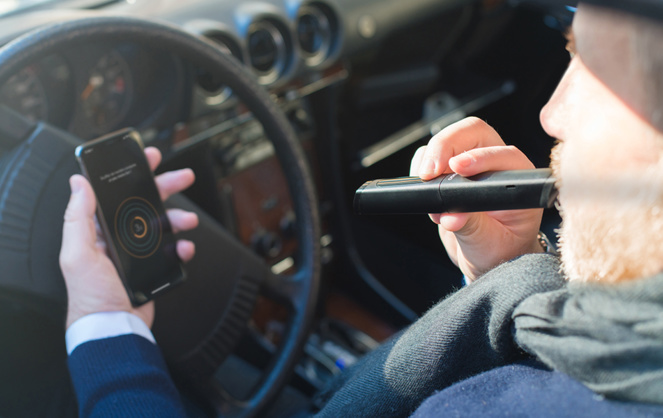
(269, 51)
(213, 90)
(315, 34)
(225, 43)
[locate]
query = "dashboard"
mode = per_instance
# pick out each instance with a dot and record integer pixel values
(89, 90)
(95, 89)
(295, 48)
(378, 52)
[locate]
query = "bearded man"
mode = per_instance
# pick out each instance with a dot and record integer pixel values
(581, 335)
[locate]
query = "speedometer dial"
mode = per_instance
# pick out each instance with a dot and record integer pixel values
(25, 94)
(106, 98)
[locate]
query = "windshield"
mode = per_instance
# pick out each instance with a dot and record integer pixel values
(8, 6)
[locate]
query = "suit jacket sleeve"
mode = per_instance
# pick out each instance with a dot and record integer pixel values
(123, 376)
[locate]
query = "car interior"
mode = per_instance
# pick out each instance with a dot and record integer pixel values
(283, 109)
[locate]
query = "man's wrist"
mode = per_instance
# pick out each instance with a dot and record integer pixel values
(101, 325)
(74, 315)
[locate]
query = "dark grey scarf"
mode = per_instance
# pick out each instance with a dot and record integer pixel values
(609, 337)
(463, 335)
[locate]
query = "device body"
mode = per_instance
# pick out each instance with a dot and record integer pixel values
(131, 214)
(495, 190)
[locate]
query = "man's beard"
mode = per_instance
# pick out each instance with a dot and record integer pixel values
(611, 228)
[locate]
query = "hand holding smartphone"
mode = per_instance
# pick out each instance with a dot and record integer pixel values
(131, 214)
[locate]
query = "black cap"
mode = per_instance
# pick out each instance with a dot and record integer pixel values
(647, 8)
(610, 59)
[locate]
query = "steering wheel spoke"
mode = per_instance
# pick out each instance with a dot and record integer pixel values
(14, 128)
(36, 162)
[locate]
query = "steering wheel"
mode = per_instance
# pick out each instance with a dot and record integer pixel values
(198, 324)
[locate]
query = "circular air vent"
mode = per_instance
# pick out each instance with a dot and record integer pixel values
(315, 33)
(269, 52)
(225, 43)
(215, 92)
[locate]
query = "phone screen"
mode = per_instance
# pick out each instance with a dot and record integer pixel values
(131, 214)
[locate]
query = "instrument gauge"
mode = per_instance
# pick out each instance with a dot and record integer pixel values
(25, 94)
(107, 97)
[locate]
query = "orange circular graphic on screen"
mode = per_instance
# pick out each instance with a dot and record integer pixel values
(138, 227)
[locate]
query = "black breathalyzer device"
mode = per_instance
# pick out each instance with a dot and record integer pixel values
(452, 193)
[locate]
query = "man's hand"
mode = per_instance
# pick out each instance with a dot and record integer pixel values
(477, 242)
(93, 284)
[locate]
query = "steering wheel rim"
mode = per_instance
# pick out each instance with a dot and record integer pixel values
(299, 290)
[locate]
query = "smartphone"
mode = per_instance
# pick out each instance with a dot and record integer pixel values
(132, 216)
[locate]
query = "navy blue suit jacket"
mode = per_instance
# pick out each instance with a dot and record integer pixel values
(527, 389)
(123, 376)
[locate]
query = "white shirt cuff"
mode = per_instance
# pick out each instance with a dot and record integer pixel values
(101, 325)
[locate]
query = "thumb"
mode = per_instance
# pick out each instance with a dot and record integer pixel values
(461, 224)
(79, 229)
